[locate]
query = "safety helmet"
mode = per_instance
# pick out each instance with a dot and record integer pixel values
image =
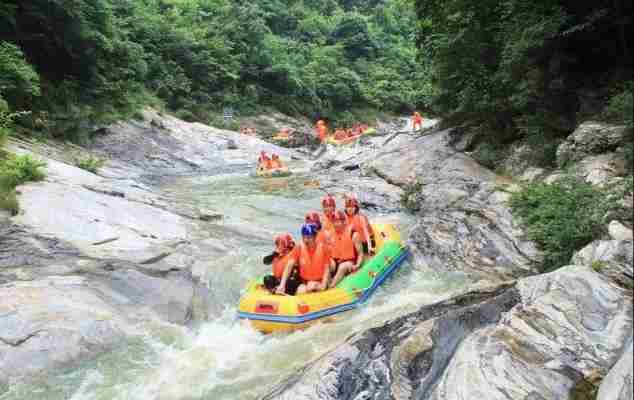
(309, 230)
(352, 202)
(328, 201)
(340, 216)
(313, 218)
(285, 241)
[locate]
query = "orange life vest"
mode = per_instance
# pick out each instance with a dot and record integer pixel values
(359, 224)
(343, 249)
(280, 263)
(326, 223)
(326, 237)
(276, 164)
(313, 265)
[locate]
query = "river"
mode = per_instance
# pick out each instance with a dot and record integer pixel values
(222, 358)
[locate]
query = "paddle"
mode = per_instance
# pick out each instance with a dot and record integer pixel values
(268, 260)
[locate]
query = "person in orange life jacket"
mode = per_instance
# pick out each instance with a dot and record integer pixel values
(285, 255)
(417, 121)
(264, 161)
(359, 223)
(340, 134)
(322, 130)
(347, 250)
(314, 262)
(276, 162)
(323, 235)
(329, 205)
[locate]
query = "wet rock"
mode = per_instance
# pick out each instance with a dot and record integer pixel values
(52, 322)
(531, 174)
(591, 138)
(538, 339)
(618, 384)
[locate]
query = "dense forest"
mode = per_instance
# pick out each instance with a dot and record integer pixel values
(527, 70)
(515, 69)
(73, 62)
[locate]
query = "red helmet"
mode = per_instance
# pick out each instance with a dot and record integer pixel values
(285, 241)
(328, 201)
(313, 218)
(352, 202)
(340, 216)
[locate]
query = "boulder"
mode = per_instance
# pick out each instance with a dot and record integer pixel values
(618, 384)
(537, 339)
(612, 258)
(619, 232)
(591, 138)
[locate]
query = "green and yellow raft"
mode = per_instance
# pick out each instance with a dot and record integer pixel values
(273, 173)
(332, 140)
(271, 313)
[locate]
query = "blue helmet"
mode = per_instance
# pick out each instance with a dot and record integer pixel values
(309, 230)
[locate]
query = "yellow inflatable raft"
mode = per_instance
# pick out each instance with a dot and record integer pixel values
(271, 313)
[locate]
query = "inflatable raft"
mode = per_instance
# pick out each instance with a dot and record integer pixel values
(352, 139)
(271, 313)
(273, 173)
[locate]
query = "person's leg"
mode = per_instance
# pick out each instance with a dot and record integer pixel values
(343, 269)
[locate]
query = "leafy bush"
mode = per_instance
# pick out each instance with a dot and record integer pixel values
(9, 201)
(16, 170)
(620, 106)
(411, 196)
(89, 163)
(489, 155)
(561, 217)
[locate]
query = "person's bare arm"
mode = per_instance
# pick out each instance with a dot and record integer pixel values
(359, 247)
(281, 289)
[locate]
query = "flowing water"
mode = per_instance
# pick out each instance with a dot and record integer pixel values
(222, 359)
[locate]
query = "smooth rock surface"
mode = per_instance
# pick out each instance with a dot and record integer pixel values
(619, 383)
(49, 323)
(534, 340)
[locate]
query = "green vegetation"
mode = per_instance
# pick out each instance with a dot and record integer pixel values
(14, 171)
(562, 217)
(74, 63)
(410, 198)
(89, 163)
(523, 69)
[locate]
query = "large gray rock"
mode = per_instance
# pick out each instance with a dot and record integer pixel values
(170, 146)
(537, 339)
(53, 322)
(568, 325)
(618, 384)
(612, 258)
(591, 138)
(465, 223)
(600, 169)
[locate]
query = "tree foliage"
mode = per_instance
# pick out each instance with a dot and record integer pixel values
(519, 66)
(96, 60)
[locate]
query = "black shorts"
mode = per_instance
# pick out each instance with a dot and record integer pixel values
(292, 283)
(365, 247)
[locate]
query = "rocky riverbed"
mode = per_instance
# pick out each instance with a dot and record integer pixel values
(96, 260)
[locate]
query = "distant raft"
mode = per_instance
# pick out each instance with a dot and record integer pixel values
(270, 313)
(273, 173)
(349, 140)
